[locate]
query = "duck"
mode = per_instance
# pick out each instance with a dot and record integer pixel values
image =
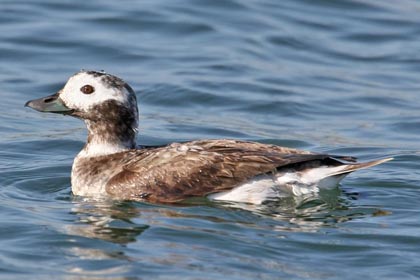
(111, 165)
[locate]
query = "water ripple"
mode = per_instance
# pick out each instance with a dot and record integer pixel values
(330, 76)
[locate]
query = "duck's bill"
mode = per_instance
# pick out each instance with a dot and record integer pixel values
(50, 104)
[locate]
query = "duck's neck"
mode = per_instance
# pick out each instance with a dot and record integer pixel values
(105, 137)
(112, 127)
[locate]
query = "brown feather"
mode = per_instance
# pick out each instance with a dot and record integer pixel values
(178, 171)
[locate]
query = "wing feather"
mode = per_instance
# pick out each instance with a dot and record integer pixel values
(178, 171)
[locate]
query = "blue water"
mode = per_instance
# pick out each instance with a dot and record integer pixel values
(331, 76)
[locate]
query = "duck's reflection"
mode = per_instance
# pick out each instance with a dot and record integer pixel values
(108, 237)
(106, 220)
(311, 213)
(124, 222)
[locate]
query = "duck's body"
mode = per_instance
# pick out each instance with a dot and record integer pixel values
(109, 165)
(224, 169)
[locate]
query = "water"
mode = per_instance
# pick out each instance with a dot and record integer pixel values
(330, 76)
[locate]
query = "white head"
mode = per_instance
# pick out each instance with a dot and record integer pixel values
(106, 103)
(86, 89)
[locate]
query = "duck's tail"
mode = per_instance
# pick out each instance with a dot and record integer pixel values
(348, 168)
(330, 176)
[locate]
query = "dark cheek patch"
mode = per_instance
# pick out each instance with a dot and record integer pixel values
(112, 122)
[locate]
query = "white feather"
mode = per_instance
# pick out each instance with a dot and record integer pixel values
(74, 98)
(283, 184)
(256, 191)
(101, 149)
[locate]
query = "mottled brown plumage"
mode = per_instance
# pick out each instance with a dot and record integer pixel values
(198, 168)
(182, 170)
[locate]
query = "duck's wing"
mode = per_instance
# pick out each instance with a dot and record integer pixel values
(198, 168)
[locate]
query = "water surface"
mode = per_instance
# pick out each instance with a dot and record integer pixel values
(329, 76)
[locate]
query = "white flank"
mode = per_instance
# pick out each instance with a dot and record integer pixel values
(271, 187)
(255, 191)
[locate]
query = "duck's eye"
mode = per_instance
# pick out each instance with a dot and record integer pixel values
(87, 89)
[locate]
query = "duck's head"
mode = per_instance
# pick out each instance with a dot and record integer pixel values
(90, 95)
(106, 103)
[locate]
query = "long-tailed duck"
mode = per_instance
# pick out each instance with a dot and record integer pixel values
(111, 165)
